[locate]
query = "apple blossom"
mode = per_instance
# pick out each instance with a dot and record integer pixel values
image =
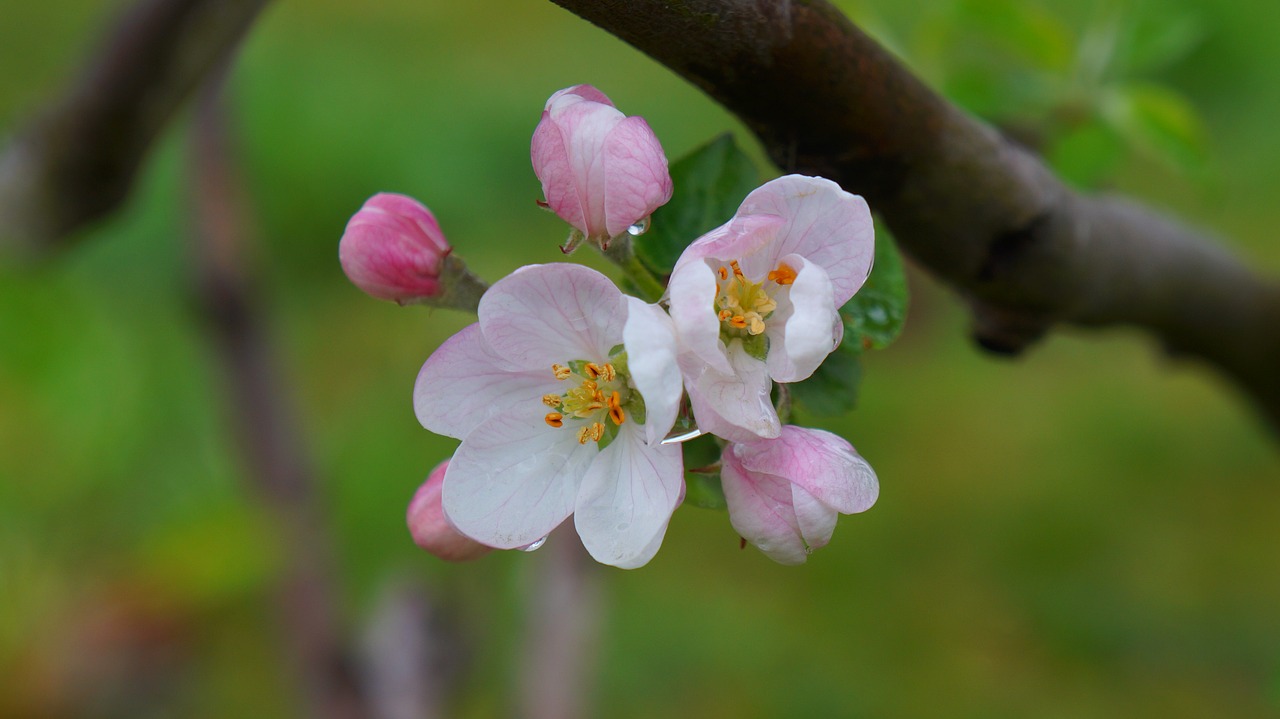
(757, 299)
(561, 394)
(601, 171)
(784, 494)
(431, 530)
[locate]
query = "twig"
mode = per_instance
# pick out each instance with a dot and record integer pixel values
(975, 209)
(75, 162)
(274, 459)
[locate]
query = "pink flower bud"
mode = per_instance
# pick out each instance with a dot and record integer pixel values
(601, 171)
(432, 531)
(393, 249)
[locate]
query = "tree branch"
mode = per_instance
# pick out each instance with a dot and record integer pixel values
(975, 209)
(75, 162)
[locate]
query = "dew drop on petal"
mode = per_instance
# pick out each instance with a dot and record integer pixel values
(639, 228)
(534, 546)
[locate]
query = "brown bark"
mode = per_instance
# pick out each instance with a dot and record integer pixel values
(972, 207)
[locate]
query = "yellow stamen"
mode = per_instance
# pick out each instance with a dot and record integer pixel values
(724, 274)
(609, 372)
(561, 372)
(737, 271)
(724, 315)
(591, 370)
(738, 321)
(584, 435)
(555, 419)
(551, 400)
(784, 275)
(615, 409)
(597, 431)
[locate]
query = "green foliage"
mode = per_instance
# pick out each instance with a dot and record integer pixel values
(702, 473)
(833, 388)
(710, 182)
(1161, 122)
(873, 318)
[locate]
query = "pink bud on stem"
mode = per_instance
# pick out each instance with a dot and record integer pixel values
(432, 531)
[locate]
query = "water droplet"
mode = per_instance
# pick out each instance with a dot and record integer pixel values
(534, 546)
(677, 438)
(639, 228)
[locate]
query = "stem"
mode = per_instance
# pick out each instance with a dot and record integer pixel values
(622, 253)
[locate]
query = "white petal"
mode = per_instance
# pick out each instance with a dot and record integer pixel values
(650, 340)
(806, 326)
(733, 406)
(829, 226)
(692, 290)
(741, 237)
(513, 480)
(815, 520)
(543, 314)
(463, 383)
(627, 498)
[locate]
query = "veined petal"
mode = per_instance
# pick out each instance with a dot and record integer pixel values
(741, 237)
(806, 326)
(761, 510)
(692, 290)
(823, 464)
(584, 127)
(735, 406)
(627, 497)
(543, 314)
(650, 340)
(815, 521)
(636, 180)
(830, 227)
(463, 383)
(551, 163)
(513, 480)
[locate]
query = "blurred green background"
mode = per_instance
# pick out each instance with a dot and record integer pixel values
(1090, 530)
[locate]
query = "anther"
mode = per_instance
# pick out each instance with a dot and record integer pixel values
(784, 275)
(615, 409)
(551, 400)
(554, 419)
(591, 370)
(561, 372)
(597, 431)
(737, 271)
(584, 435)
(724, 273)
(724, 315)
(738, 321)
(609, 372)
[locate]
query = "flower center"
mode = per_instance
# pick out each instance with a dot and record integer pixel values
(598, 401)
(743, 305)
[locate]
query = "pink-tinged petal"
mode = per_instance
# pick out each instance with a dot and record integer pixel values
(432, 531)
(544, 314)
(740, 238)
(734, 406)
(584, 128)
(761, 511)
(393, 249)
(830, 227)
(585, 92)
(514, 479)
(823, 464)
(636, 180)
(692, 292)
(550, 157)
(806, 327)
(463, 383)
(650, 341)
(627, 498)
(815, 521)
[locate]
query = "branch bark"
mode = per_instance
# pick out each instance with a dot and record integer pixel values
(977, 210)
(76, 161)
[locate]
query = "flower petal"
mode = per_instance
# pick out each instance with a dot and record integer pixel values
(815, 521)
(627, 498)
(692, 290)
(830, 227)
(650, 341)
(512, 481)
(463, 383)
(823, 464)
(741, 237)
(542, 314)
(636, 181)
(735, 406)
(584, 127)
(432, 531)
(550, 158)
(761, 510)
(806, 326)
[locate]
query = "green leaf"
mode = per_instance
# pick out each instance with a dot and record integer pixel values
(1087, 154)
(1152, 42)
(1160, 121)
(833, 387)
(873, 318)
(702, 473)
(710, 183)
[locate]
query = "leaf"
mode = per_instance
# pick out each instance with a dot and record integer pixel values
(1152, 43)
(1087, 154)
(1160, 121)
(710, 183)
(873, 318)
(833, 388)
(702, 473)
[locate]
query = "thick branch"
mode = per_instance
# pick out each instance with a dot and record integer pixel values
(975, 209)
(76, 162)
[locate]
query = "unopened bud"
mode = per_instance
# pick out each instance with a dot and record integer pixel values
(432, 531)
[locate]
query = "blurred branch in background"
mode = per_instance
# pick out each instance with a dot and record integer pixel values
(76, 161)
(977, 210)
(273, 456)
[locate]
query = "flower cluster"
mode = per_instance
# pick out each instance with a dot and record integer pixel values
(569, 397)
